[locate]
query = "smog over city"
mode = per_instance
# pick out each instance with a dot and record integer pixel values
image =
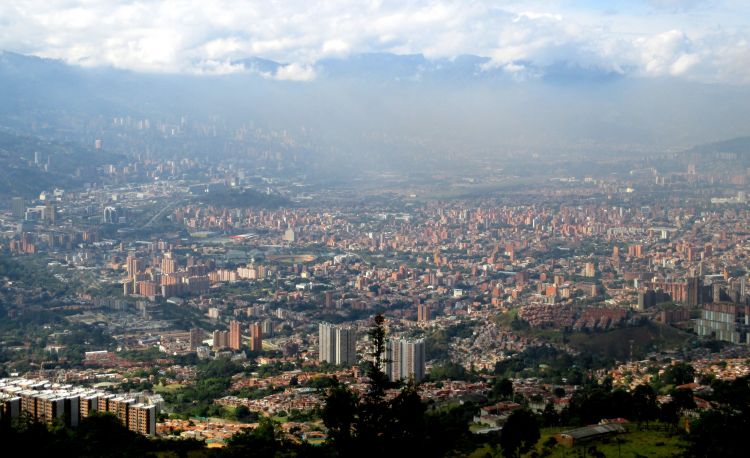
(375, 228)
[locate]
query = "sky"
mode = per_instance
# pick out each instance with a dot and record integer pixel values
(697, 40)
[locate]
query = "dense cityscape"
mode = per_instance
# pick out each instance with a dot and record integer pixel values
(417, 242)
(126, 299)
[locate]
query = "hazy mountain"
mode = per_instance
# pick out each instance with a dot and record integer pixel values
(732, 154)
(463, 69)
(380, 111)
(31, 165)
(49, 87)
(258, 65)
(739, 145)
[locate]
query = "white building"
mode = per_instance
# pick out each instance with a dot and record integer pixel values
(337, 344)
(405, 359)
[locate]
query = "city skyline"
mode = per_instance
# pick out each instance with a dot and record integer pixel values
(446, 228)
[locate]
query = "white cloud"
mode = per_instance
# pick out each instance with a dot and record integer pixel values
(295, 72)
(677, 5)
(647, 38)
(731, 62)
(222, 47)
(336, 48)
(683, 64)
(660, 52)
(533, 15)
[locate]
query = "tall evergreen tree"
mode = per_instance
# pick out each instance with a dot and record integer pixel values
(373, 416)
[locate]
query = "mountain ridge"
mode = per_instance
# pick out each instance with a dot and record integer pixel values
(377, 110)
(63, 165)
(739, 145)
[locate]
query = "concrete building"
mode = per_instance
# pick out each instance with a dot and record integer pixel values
(196, 338)
(328, 299)
(18, 207)
(405, 359)
(423, 313)
(220, 340)
(235, 335)
(142, 419)
(256, 337)
(589, 270)
(337, 344)
(109, 215)
(727, 322)
(50, 403)
(694, 291)
(168, 264)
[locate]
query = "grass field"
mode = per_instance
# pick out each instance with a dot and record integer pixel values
(166, 388)
(654, 442)
(290, 258)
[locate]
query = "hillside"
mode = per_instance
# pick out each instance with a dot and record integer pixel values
(739, 145)
(64, 165)
(616, 343)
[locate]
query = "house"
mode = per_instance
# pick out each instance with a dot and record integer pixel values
(574, 436)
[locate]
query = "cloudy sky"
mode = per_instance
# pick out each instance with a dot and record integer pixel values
(707, 41)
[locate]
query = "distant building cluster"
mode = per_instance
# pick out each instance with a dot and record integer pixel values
(232, 339)
(166, 282)
(163, 276)
(48, 402)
